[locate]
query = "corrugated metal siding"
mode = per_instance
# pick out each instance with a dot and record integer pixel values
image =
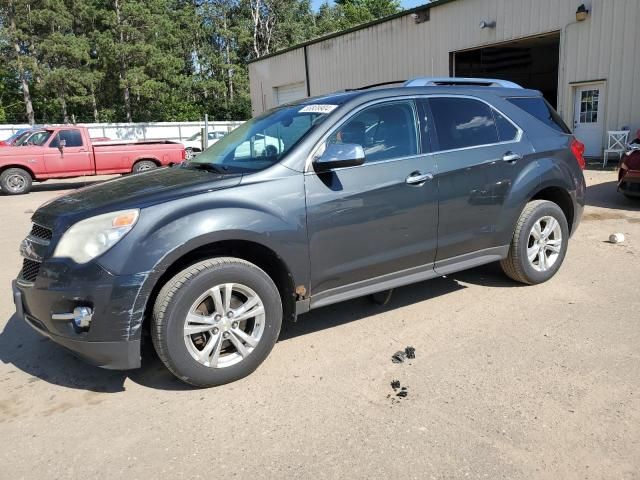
(265, 76)
(605, 46)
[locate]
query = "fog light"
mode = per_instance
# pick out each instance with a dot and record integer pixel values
(81, 317)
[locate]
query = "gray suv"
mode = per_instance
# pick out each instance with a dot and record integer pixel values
(309, 204)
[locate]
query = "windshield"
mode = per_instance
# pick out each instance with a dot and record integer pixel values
(262, 141)
(21, 138)
(38, 138)
(193, 137)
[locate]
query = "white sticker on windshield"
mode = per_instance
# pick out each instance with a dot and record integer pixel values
(319, 108)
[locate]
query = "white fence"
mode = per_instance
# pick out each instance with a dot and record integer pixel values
(139, 131)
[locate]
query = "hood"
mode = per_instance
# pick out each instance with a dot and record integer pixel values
(12, 150)
(132, 191)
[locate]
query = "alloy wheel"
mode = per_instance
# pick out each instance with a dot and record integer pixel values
(224, 325)
(544, 244)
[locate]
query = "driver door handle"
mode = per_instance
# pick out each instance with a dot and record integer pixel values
(511, 157)
(418, 178)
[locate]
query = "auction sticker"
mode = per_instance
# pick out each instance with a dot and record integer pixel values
(319, 108)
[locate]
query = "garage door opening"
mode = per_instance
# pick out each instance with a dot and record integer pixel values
(531, 62)
(289, 93)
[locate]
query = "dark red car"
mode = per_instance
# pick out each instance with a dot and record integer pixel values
(629, 173)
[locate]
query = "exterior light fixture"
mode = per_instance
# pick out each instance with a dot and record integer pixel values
(581, 13)
(484, 24)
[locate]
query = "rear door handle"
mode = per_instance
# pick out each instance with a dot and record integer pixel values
(511, 157)
(418, 178)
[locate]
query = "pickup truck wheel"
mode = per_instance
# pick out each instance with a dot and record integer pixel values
(539, 243)
(216, 321)
(143, 166)
(15, 181)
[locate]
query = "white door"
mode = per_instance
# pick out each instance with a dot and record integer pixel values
(588, 121)
(290, 93)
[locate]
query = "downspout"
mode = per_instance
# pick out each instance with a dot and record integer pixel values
(564, 89)
(306, 71)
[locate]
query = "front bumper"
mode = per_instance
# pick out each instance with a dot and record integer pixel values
(113, 338)
(629, 183)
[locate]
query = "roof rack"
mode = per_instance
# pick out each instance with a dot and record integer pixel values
(453, 81)
(374, 85)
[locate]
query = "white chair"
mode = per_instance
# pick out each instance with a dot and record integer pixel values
(616, 143)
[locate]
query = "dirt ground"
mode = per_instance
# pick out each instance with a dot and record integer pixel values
(508, 381)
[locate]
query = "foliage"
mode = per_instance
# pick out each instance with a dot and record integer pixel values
(150, 60)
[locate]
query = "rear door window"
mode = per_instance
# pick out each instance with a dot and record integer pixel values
(539, 108)
(462, 123)
(507, 132)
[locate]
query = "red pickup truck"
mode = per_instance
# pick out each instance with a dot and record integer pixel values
(68, 151)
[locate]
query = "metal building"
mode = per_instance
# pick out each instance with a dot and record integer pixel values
(583, 55)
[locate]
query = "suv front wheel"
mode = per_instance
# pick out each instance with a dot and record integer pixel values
(539, 243)
(216, 321)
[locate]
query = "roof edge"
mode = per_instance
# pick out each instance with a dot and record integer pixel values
(362, 26)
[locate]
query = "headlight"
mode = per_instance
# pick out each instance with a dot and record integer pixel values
(89, 238)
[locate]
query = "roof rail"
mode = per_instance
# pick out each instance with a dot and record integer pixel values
(452, 81)
(374, 85)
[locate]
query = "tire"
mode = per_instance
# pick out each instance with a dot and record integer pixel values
(15, 181)
(191, 288)
(189, 154)
(143, 166)
(518, 265)
(631, 197)
(381, 298)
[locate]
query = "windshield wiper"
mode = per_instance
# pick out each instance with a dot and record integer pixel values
(209, 167)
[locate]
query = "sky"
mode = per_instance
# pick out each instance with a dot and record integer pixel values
(406, 4)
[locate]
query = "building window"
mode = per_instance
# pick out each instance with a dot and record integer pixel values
(589, 106)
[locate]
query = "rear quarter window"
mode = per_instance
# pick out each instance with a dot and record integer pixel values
(539, 108)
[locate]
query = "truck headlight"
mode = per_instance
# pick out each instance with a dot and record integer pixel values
(92, 237)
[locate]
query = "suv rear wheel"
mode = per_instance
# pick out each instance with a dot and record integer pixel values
(539, 243)
(216, 321)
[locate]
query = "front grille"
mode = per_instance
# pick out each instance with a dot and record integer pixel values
(39, 231)
(29, 270)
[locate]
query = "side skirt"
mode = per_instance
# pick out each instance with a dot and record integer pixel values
(402, 278)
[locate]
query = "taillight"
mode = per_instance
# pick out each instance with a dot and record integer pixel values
(577, 147)
(184, 154)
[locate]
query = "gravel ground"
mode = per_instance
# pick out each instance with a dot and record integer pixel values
(508, 381)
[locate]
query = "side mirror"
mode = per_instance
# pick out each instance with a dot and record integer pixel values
(61, 145)
(339, 155)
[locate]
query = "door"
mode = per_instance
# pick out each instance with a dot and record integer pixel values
(290, 93)
(377, 218)
(588, 122)
(479, 154)
(71, 159)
